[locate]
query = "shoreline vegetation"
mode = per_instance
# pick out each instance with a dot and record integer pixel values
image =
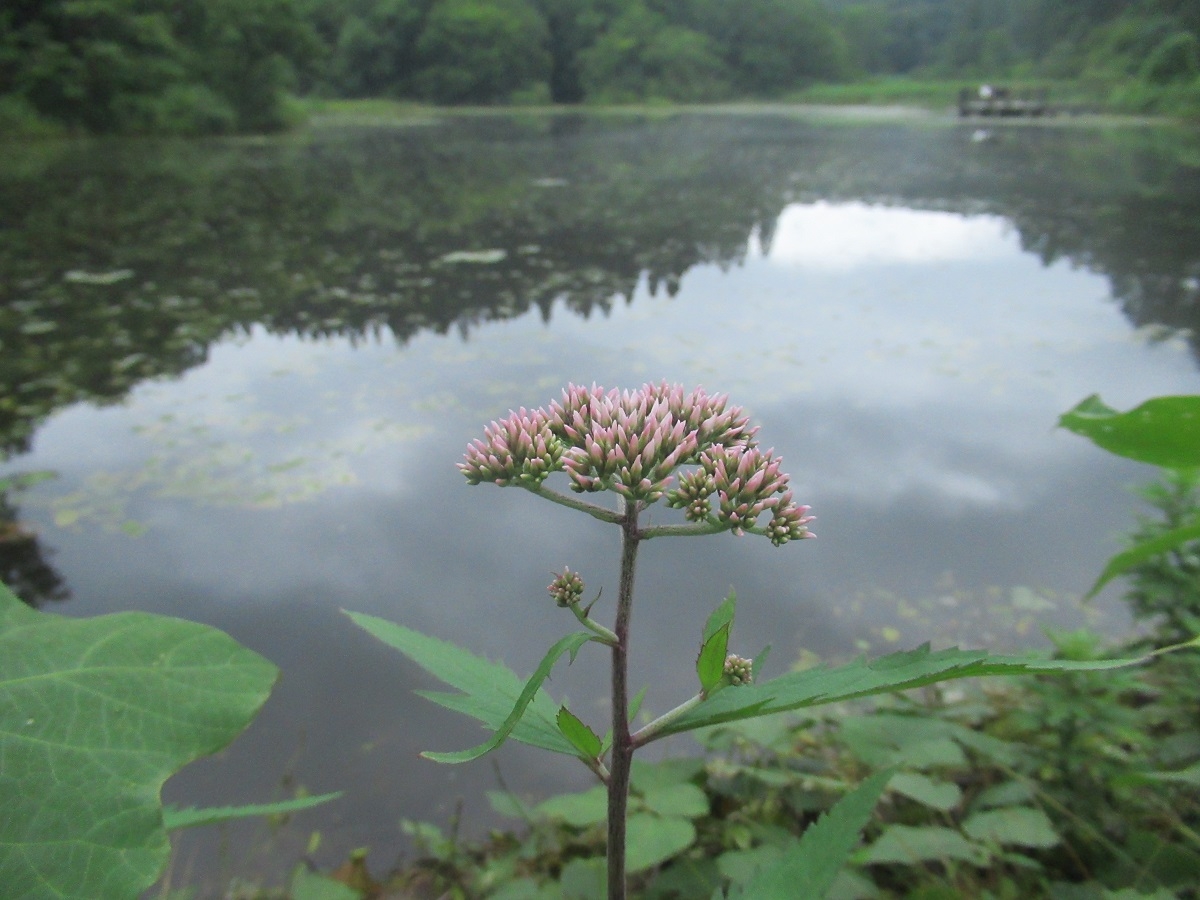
(198, 67)
(871, 100)
(828, 105)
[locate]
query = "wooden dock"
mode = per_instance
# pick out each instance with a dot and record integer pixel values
(1000, 102)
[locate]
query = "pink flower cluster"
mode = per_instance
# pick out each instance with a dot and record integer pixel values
(632, 442)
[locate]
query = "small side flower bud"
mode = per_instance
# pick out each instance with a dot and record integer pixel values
(738, 669)
(567, 588)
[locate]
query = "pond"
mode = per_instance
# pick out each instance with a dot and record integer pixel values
(239, 373)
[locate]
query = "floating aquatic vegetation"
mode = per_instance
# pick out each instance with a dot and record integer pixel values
(79, 276)
(485, 257)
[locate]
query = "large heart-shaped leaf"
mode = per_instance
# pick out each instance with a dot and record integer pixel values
(95, 714)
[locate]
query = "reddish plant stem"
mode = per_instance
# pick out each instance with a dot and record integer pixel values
(622, 742)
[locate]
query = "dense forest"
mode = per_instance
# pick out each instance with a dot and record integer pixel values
(204, 66)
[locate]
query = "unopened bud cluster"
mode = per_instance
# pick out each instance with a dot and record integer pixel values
(632, 442)
(566, 588)
(738, 669)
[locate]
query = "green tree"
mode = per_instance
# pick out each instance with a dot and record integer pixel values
(481, 52)
(153, 65)
(572, 26)
(641, 55)
(91, 64)
(375, 52)
(772, 46)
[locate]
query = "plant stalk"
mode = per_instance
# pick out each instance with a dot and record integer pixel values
(622, 741)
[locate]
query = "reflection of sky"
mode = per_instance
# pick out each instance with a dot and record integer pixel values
(908, 365)
(844, 236)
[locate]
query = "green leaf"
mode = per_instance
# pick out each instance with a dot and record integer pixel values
(710, 664)
(714, 645)
(95, 714)
(651, 839)
(645, 776)
(175, 818)
(583, 879)
(686, 801)
(866, 678)
(721, 617)
(940, 795)
(912, 742)
(1163, 431)
(1189, 775)
(582, 809)
(568, 644)
(1022, 826)
(1139, 553)
(490, 692)
(578, 733)
(909, 844)
(824, 847)
(307, 885)
(1006, 793)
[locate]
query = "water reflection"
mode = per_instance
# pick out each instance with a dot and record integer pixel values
(854, 235)
(252, 366)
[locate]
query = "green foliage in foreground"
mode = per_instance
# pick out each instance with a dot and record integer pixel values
(510, 706)
(95, 714)
(1068, 786)
(1165, 432)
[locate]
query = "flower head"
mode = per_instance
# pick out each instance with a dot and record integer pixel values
(738, 670)
(566, 588)
(515, 450)
(633, 443)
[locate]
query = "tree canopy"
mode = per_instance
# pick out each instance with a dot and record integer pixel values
(192, 66)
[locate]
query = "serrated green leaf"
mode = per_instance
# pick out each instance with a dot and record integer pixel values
(175, 818)
(652, 839)
(95, 714)
(489, 691)
(862, 678)
(1140, 552)
(710, 664)
(1021, 826)
(940, 795)
(1163, 431)
(909, 844)
(721, 617)
(578, 733)
(568, 644)
(824, 847)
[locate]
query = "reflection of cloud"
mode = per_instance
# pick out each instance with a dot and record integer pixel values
(849, 235)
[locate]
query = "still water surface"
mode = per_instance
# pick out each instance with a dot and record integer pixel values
(251, 366)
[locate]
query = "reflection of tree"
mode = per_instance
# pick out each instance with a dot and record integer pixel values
(23, 564)
(125, 260)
